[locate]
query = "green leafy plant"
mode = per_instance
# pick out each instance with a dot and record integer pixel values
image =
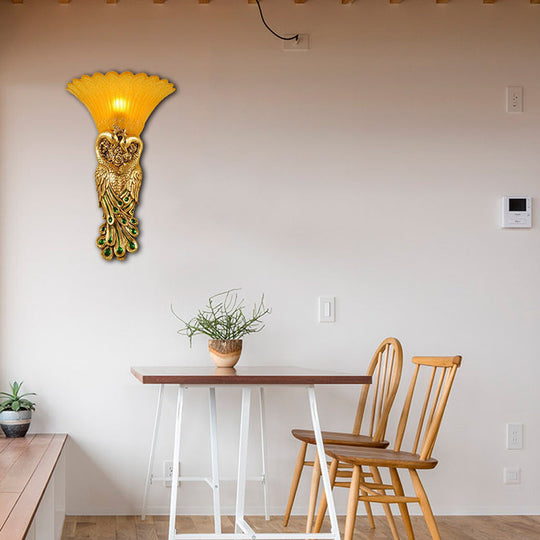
(16, 402)
(224, 318)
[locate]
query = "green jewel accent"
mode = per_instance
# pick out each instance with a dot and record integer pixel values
(134, 221)
(126, 199)
(107, 252)
(115, 209)
(131, 245)
(134, 231)
(102, 229)
(101, 241)
(110, 220)
(123, 221)
(119, 251)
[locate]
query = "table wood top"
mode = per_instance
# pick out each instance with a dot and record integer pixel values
(26, 466)
(242, 375)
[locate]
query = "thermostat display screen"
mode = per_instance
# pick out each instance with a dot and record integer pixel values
(517, 212)
(517, 205)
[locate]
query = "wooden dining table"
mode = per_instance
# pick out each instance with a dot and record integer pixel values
(247, 378)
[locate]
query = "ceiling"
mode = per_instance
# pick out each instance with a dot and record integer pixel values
(295, 1)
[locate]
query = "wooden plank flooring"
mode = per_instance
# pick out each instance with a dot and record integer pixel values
(155, 527)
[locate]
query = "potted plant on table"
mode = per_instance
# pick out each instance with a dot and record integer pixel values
(225, 322)
(16, 411)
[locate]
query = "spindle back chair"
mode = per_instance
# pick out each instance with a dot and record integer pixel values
(440, 381)
(434, 401)
(389, 355)
(372, 412)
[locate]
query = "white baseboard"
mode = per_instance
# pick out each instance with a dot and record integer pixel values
(414, 510)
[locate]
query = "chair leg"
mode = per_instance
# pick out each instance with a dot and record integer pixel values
(398, 490)
(352, 505)
(425, 506)
(368, 510)
(295, 481)
(315, 481)
(322, 506)
(386, 507)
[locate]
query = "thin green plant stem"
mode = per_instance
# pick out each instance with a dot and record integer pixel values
(224, 318)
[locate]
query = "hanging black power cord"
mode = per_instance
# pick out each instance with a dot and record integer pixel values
(277, 35)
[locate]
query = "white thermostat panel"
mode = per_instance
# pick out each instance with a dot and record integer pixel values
(516, 212)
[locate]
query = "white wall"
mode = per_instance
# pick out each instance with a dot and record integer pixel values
(369, 168)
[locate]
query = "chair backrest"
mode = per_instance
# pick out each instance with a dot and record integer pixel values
(385, 370)
(443, 370)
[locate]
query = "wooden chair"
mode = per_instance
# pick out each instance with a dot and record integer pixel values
(443, 370)
(385, 369)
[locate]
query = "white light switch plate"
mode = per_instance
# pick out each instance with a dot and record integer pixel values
(327, 309)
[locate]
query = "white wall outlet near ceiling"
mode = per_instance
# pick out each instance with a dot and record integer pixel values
(511, 476)
(514, 436)
(514, 99)
(301, 45)
(327, 309)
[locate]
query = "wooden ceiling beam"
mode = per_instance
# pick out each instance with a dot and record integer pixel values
(344, 2)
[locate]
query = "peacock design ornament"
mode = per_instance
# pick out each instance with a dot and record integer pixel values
(120, 105)
(118, 182)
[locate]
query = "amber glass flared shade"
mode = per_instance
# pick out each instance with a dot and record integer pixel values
(125, 100)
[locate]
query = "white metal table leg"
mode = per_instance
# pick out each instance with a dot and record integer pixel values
(214, 454)
(152, 450)
(263, 452)
(322, 460)
(176, 459)
(242, 458)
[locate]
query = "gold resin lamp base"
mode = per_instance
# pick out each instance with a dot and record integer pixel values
(118, 182)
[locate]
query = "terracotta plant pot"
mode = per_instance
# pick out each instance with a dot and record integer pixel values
(225, 352)
(15, 423)
(225, 371)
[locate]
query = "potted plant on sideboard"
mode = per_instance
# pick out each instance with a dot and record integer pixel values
(16, 411)
(224, 321)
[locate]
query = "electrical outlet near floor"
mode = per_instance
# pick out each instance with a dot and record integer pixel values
(511, 476)
(514, 436)
(168, 472)
(514, 99)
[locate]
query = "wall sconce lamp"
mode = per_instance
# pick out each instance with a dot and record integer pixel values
(120, 104)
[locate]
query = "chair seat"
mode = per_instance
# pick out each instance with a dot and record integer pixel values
(379, 457)
(338, 438)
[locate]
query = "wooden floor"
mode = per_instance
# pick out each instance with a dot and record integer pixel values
(155, 528)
